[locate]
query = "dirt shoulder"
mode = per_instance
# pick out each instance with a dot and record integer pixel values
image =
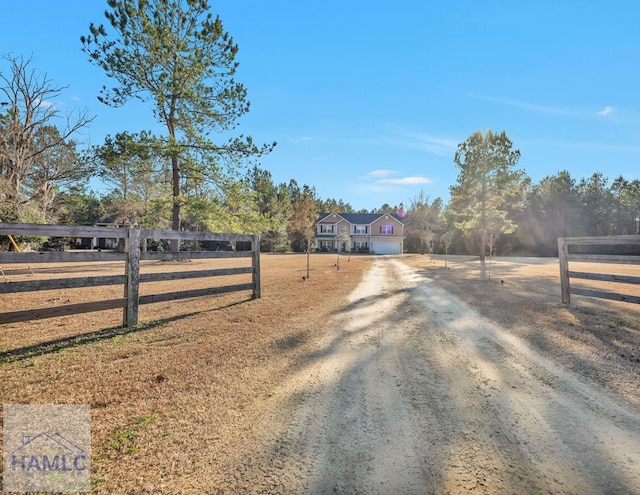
(173, 398)
(595, 338)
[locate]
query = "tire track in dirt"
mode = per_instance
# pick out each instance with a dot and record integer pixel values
(564, 435)
(413, 392)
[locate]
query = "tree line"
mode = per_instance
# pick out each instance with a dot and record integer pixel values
(496, 208)
(175, 56)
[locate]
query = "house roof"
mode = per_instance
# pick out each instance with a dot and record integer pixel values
(357, 218)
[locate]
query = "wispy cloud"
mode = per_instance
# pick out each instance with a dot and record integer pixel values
(529, 106)
(374, 188)
(382, 173)
(605, 111)
(388, 180)
(586, 146)
(406, 181)
(409, 138)
(302, 139)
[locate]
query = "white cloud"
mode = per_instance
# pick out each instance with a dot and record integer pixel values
(45, 103)
(405, 181)
(606, 111)
(382, 173)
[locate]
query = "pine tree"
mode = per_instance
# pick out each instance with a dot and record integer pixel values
(175, 54)
(487, 184)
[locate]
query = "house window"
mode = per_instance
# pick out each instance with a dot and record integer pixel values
(326, 229)
(326, 246)
(386, 229)
(360, 246)
(360, 229)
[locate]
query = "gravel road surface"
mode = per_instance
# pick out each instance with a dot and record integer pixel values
(412, 391)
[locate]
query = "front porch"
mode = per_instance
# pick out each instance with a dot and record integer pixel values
(335, 246)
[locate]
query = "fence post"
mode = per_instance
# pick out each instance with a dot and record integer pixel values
(564, 270)
(256, 266)
(132, 272)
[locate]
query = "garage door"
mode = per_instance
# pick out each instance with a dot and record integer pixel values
(386, 247)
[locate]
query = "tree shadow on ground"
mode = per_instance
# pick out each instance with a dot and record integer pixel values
(58, 345)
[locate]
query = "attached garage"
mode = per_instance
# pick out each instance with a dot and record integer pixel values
(386, 247)
(378, 233)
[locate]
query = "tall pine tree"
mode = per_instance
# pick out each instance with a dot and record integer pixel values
(175, 54)
(486, 185)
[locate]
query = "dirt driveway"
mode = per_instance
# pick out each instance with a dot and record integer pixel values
(413, 391)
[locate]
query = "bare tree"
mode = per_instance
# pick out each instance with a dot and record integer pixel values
(57, 167)
(344, 240)
(446, 239)
(423, 222)
(27, 108)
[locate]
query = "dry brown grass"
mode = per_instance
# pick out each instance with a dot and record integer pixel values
(174, 398)
(171, 398)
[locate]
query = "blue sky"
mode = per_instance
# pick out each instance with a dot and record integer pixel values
(368, 100)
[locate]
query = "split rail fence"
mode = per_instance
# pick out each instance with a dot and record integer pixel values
(130, 255)
(566, 274)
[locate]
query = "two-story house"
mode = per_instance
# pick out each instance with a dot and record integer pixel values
(376, 233)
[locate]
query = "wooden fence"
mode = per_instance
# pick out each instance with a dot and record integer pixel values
(131, 255)
(566, 274)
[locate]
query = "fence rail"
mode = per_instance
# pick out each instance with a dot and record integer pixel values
(566, 274)
(131, 255)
